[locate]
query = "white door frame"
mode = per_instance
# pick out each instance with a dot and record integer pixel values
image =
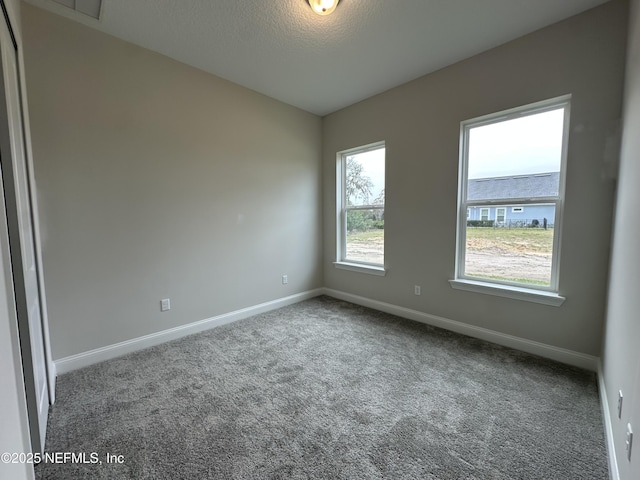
(21, 208)
(26, 126)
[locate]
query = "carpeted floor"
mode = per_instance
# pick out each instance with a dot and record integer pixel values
(327, 389)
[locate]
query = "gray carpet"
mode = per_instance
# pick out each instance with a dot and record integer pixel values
(327, 389)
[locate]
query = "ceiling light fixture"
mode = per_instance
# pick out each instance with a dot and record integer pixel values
(323, 7)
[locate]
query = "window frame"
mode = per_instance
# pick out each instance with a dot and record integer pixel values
(536, 293)
(342, 208)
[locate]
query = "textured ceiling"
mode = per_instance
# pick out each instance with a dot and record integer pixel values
(321, 64)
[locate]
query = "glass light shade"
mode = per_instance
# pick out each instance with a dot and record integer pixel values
(323, 7)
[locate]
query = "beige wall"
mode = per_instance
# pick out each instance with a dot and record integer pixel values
(621, 358)
(157, 180)
(420, 122)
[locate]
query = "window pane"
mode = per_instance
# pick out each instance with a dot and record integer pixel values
(365, 236)
(365, 178)
(518, 250)
(511, 160)
(518, 158)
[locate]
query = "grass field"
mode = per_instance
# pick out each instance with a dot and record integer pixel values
(520, 255)
(515, 241)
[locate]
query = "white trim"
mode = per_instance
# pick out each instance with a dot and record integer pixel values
(361, 268)
(71, 13)
(341, 196)
(363, 149)
(563, 102)
(520, 111)
(509, 291)
(91, 357)
(341, 219)
(81, 360)
(614, 473)
(37, 235)
(54, 374)
(563, 355)
(352, 208)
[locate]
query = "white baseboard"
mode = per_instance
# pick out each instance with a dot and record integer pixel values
(614, 474)
(91, 357)
(569, 357)
(81, 360)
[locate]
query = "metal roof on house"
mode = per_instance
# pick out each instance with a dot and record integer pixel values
(516, 186)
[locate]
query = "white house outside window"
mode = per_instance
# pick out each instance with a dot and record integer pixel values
(360, 190)
(512, 166)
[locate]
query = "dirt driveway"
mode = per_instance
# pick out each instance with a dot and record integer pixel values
(522, 255)
(535, 267)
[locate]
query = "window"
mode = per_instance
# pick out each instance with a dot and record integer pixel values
(360, 216)
(514, 159)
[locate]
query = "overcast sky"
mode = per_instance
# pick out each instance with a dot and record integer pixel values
(531, 144)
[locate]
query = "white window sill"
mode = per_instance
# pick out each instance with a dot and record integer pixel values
(508, 291)
(362, 268)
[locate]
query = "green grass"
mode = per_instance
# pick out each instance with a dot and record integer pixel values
(512, 240)
(369, 235)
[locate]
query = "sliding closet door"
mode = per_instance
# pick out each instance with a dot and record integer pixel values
(21, 240)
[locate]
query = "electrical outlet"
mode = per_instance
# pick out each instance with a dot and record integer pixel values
(620, 403)
(165, 304)
(285, 279)
(417, 289)
(629, 442)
